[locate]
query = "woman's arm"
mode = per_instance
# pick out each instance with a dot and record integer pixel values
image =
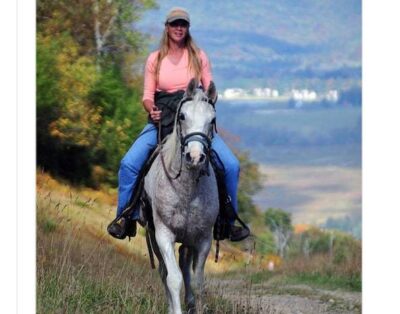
(150, 87)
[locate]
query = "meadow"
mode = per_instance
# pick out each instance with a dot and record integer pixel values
(81, 269)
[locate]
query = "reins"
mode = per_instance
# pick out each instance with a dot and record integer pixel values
(201, 137)
(160, 143)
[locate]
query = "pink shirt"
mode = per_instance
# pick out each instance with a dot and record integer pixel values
(173, 77)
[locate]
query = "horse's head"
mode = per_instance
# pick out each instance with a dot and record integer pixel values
(196, 118)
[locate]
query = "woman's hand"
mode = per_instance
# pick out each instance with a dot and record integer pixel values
(155, 114)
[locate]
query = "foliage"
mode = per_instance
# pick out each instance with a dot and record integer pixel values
(265, 243)
(123, 119)
(276, 218)
(326, 253)
(249, 184)
(89, 78)
(280, 223)
(88, 93)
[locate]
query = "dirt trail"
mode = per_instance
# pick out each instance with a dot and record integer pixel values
(276, 298)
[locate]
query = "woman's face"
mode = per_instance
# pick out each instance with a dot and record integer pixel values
(177, 30)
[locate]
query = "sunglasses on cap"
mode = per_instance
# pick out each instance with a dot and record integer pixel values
(181, 23)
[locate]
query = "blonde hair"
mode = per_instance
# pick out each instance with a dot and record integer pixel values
(193, 52)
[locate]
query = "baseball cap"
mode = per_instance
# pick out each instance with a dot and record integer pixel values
(177, 13)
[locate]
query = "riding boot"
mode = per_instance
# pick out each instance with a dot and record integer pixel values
(122, 228)
(236, 233)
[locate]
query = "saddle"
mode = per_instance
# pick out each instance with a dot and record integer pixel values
(223, 225)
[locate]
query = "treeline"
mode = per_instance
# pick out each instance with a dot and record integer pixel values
(89, 82)
(309, 250)
(280, 237)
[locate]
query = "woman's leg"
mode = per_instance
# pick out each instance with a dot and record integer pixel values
(131, 165)
(231, 168)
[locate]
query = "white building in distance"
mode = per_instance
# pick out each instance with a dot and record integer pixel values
(332, 95)
(230, 93)
(304, 95)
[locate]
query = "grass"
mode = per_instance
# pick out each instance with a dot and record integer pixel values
(80, 273)
(318, 271)
(81, 269)
(326, 281)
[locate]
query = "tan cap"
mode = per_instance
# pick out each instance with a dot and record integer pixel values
(177, 14)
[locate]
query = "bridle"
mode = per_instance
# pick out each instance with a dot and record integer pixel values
(201, 137)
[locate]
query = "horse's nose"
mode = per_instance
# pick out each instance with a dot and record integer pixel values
(202, 158)
(188, 158)
(195, 159)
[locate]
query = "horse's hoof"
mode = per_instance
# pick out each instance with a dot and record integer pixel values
(191, 310)
(191, 306)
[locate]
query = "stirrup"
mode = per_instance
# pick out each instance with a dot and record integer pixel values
(238, 233)
(122, 228)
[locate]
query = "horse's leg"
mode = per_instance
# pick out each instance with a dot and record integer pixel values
(162, 269)
(200, 257)
(185, 261)
(166, 240)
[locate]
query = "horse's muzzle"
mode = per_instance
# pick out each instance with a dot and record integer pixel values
(196, 147)
(194, 158)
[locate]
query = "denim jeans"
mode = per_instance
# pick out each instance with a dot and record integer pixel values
(139, 152)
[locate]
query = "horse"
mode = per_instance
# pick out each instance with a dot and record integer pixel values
(182, 190)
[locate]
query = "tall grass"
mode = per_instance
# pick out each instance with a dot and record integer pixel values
(78, 273)
(81, 269)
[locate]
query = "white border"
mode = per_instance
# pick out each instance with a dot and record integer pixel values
(8, 164)
(26, 173)
(381, 156)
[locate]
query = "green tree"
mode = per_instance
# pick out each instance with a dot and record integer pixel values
(88, 96)
(265, 243)
(249, 184)
(280, 223)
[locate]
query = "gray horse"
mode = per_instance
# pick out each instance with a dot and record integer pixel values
(182, 190)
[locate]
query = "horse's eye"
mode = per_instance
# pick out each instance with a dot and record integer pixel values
(181, 116)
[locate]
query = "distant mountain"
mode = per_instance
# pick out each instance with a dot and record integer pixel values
(282, 44)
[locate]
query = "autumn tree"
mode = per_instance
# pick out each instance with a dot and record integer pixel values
(88, 96)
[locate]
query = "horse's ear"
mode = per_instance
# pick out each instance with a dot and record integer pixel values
(212, 93)
(191, 87)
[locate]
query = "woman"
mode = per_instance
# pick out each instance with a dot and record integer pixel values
(167, 74)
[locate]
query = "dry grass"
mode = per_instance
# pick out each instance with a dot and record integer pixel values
(81, 269)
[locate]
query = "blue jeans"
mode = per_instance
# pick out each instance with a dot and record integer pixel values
(139, 152)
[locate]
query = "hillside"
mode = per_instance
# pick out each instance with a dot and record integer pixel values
(80, 269)
(276, 43)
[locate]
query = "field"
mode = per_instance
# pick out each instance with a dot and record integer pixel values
(311, 194)
(80, 269)
(311, 158)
